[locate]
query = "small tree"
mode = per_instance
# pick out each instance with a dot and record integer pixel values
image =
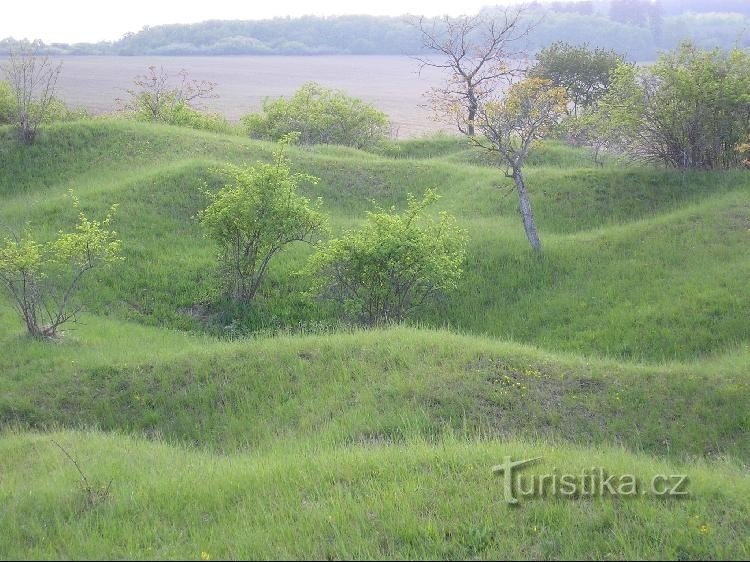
(320, 116)
(157, 97)
(584, 72)
(33, 79)
(511, 125)
(394, 263)
(590, 130)
(475, 52)
(43, 279)
(255, 216)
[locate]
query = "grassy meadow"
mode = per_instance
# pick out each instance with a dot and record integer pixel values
(211, 430)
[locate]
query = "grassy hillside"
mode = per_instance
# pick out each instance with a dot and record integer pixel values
(422, 500)
(639, 264)
(375, 385)
(273, 430)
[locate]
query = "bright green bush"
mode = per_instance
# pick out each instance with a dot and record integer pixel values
(56, 109)
(183, 115)
(43, 279)
(391, 265)
(255, 216)
(321, 116)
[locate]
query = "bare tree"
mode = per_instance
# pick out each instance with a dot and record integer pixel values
(33, 79)
(155, 93)
(511, 124)
(478, 54)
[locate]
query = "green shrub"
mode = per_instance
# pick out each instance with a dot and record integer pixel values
(255, 216)
(156, 98)
(42, 279)
(321, 116)
(182, 115)
(7, 104)
(691, 109)
(56, 109)
(392, 264)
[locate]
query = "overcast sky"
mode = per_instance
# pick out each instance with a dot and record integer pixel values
(72, 21)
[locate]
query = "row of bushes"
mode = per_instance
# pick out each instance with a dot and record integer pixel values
(393, 263)
(379, 272)
(690, 109)
(320, 115)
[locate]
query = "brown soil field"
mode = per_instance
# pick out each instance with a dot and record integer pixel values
(391, 83)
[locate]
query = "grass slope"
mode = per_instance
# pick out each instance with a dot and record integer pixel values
(640, 264)
(384, 386)
(627, 345)
(423, 500)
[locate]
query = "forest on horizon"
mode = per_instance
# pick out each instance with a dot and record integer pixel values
(638, 28)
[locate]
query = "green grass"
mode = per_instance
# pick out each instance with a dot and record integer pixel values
(273, 430)
(387, 386)
(431, 500)
(639, 264)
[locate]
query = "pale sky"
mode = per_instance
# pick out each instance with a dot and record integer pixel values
(72, 21)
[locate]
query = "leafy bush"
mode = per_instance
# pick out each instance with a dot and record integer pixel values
(56, 108)
(182, 115)
(43, 278)
(158, 97)
(394, 263)
(255, 216)
(32, 79)
(691, 109)
(58, 111)
(7, 104)
(321, 116)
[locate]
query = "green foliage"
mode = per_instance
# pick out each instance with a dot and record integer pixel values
(691, 109)
(158, 97)
(583, 71)
(7, 104)
(639, 36)
(394, 263)
(255, 216)
(42, 279)
(56, 110)
(182, 115)
(528, 112)
(321, 116)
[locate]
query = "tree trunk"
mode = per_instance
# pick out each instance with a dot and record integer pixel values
(527, 214)
(473, 108)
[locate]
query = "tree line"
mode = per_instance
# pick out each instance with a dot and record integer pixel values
(637, 28)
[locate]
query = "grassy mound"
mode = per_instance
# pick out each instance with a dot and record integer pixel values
(387, 386)
(422, 500)
(273, 431)
(639, 264)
